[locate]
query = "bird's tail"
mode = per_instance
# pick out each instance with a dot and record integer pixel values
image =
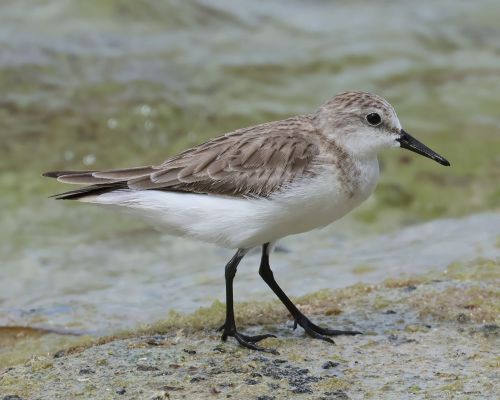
(96, 186)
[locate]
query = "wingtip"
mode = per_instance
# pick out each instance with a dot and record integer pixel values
(58, 174)
(51, 174)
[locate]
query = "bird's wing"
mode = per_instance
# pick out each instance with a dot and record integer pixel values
(254, 161)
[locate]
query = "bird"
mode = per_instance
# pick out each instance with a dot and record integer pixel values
(254, 186)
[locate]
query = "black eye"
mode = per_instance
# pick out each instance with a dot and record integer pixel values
(373, 119)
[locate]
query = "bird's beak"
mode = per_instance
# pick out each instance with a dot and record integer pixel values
(407, 141)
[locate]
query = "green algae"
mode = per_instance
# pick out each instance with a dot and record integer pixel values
(362, 269)
(18, 345)
(453, 387)
(481, 269)
(414, 389)
(333, 384)
(479, 304)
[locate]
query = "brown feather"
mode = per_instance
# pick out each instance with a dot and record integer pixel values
(254, 161)
(125, 174)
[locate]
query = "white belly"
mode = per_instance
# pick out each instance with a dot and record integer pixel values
(237, 223)
(315, 203)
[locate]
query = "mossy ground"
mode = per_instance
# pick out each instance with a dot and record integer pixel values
(433, 336)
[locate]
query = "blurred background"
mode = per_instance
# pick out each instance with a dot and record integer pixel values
(110, 84)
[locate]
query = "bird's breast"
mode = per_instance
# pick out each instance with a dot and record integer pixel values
(327, 196)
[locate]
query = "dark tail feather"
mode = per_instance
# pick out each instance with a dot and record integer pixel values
(93, 190)
(57, 174)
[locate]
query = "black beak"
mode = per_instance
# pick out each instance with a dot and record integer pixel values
(409, 142)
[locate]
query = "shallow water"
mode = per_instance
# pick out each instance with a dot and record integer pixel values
(95, 85)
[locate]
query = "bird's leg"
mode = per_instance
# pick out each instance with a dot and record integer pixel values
(311, 329)
(229, 327)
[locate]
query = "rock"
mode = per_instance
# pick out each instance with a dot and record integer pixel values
(490, 329)
(305, 367)
(337, 395)
(330, 364)
(142, 367)
(86, 371)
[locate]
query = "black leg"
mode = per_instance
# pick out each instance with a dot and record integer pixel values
(311, 329)
(229, 327)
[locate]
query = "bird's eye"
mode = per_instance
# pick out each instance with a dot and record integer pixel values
(373, 119)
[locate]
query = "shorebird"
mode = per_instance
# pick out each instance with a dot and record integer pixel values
(256, 185)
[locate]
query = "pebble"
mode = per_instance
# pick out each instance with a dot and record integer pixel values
(59, 354)
(142, 367)
(330, 364)
(337, 395)
(86, 371)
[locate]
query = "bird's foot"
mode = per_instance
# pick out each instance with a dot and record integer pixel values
(318, 332)
(246, 340)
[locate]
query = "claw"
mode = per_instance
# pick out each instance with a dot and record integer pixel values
(249, 341)
(250, 344)
(318, 332)
(257, 338)
(311, 332)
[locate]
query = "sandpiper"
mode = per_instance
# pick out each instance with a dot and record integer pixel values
(256, 185)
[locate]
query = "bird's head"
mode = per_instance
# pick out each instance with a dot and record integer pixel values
(364, 124)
